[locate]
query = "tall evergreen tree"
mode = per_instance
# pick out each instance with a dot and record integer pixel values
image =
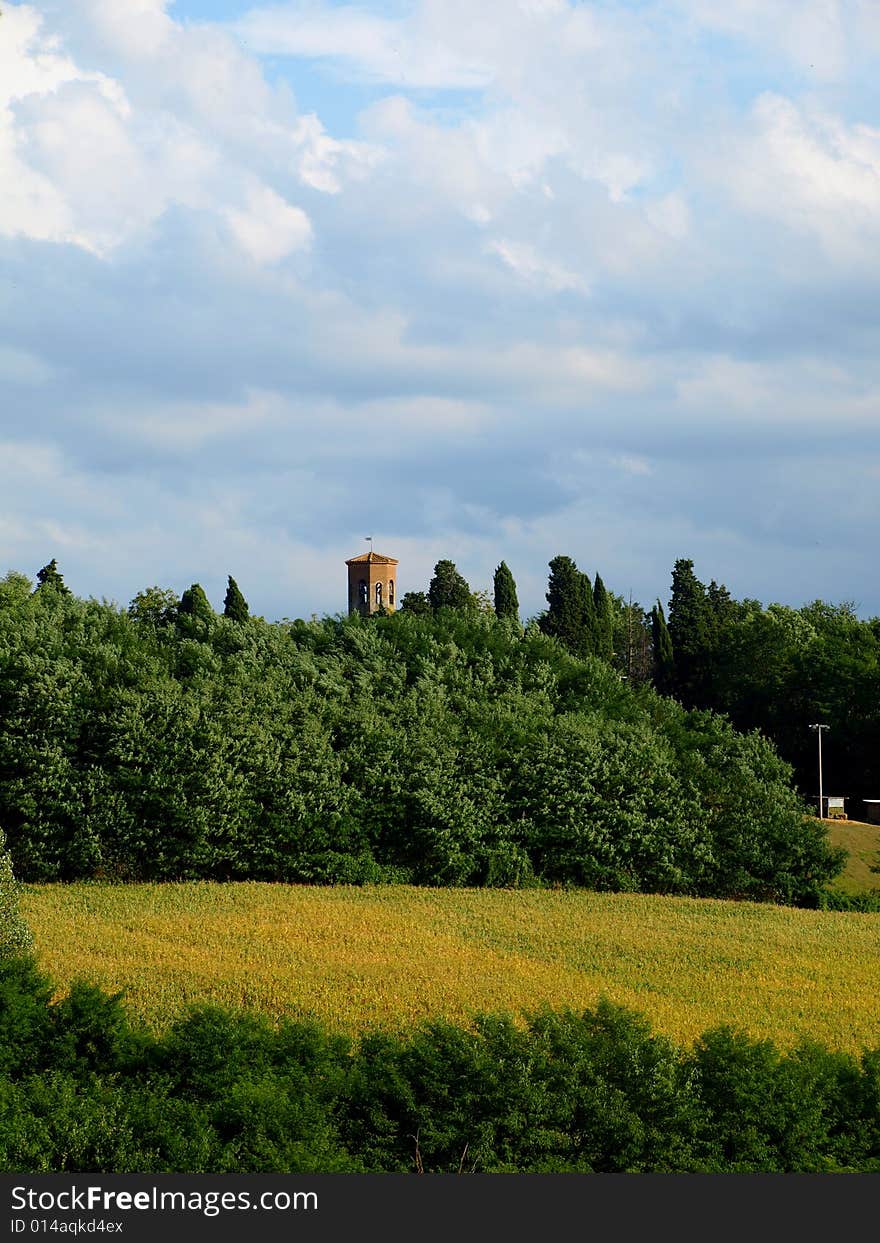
(194, 603)
(722, 613)
(590, 637)
(506, 602)
(235, 606)
(604, 620)
(570, 615)
(448, 590)
(689, 629)
(664, 661)
(50, 576)
(194, 613)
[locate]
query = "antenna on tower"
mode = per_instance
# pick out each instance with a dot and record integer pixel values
(369, 540)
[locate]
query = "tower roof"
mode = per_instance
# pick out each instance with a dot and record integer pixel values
(375, 558)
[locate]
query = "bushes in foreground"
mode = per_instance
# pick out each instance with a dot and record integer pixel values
(80, 1089)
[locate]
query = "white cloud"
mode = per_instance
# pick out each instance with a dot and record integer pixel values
(139, 29)
(808, 169)
(379, 49)
(31, 61)
(812, 33)
(534, 268)
(268, 229)
(88, 160)
(778, 394)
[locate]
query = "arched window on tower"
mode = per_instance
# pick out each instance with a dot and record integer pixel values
(363, 597)
(391, 591)
(378, 595)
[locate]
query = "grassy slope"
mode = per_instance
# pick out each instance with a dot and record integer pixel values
(391, 956)
(862, 841)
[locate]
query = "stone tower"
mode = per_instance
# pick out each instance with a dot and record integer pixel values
(372, 583)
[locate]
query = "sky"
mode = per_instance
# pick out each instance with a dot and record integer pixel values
(483, 281)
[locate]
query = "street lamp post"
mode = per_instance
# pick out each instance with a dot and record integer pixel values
(818, 729)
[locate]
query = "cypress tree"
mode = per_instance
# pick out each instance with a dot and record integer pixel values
(194, 603)
(664, 661)
(604, 620)
(506, 602)
(235, 606)
(721, 619)
(689, 629)
(570, 615)
(589, 641)
(448, 590)
(194, 613)
(50, 576)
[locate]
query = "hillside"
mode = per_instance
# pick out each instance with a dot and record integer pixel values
(861, 873)
(390, 956)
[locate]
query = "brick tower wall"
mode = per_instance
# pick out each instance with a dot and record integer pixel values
(372, 574)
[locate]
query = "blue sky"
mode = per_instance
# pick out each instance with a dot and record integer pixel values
(498, 281)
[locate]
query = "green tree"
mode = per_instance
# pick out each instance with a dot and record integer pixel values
(194, 603)
(506, 602)
(156, 606)
(450, 750)
(664, 661)
(15, 936)
(448, 590)
(50, 576)
(195, 617)
(571, 613)
(415, 602)
(689, 629)
(15, 588)
(604, 620)
(235, 606)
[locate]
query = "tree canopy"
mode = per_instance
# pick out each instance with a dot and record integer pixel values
(448, 749)
(448, 590)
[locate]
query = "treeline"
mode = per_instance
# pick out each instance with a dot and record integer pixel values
(167, 742)
(776, 669)
(82, 1090)
(583, 615)
(780, 670)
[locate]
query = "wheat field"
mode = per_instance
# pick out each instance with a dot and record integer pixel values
(390, 956)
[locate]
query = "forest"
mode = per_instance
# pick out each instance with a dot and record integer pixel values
(446, 744)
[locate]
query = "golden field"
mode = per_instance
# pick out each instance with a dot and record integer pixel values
(391, 956)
